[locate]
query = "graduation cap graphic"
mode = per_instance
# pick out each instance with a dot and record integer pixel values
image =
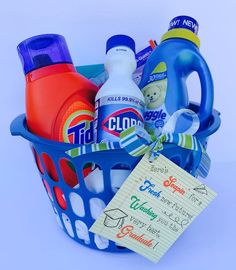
(114, 218)
(201, 189)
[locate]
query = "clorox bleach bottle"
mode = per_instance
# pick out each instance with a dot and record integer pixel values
(163, 81)
(119, 104)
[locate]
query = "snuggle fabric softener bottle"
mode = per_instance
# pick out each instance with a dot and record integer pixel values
(164, 78)
(59, 101)
(119, 102)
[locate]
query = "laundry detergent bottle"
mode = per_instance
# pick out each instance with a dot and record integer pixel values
(59, 101)
(163, 81)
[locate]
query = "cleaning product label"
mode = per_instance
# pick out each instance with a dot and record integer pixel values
(142, 56)
(141, 59)
(116, 113)
(154, 92)
(77, 124)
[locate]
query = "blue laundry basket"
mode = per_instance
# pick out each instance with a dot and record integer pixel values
(72, 205)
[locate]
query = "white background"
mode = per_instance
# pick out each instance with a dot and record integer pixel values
(29, 237)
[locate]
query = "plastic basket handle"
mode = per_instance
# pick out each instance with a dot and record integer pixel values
(17, 124)
(18, 127)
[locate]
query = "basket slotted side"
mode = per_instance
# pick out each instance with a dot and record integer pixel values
(106, 161)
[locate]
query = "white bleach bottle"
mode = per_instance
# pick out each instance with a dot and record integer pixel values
(119, 104)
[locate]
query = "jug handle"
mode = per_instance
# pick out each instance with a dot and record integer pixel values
(207, 90)
(193, 61)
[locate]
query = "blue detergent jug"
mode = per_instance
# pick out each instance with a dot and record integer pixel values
(164, 77)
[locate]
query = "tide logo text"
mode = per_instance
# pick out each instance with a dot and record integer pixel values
(80, 134)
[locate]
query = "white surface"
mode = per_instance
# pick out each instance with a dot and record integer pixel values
(29, 236)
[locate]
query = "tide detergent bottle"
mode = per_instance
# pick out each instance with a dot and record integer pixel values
(163, 81)
(59, 101)
(119, 102)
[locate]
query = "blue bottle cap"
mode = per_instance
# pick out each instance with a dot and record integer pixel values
(185, 22)
(120, 40)
(43, 50)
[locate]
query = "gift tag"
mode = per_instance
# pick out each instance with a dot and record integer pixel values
(153, 207)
